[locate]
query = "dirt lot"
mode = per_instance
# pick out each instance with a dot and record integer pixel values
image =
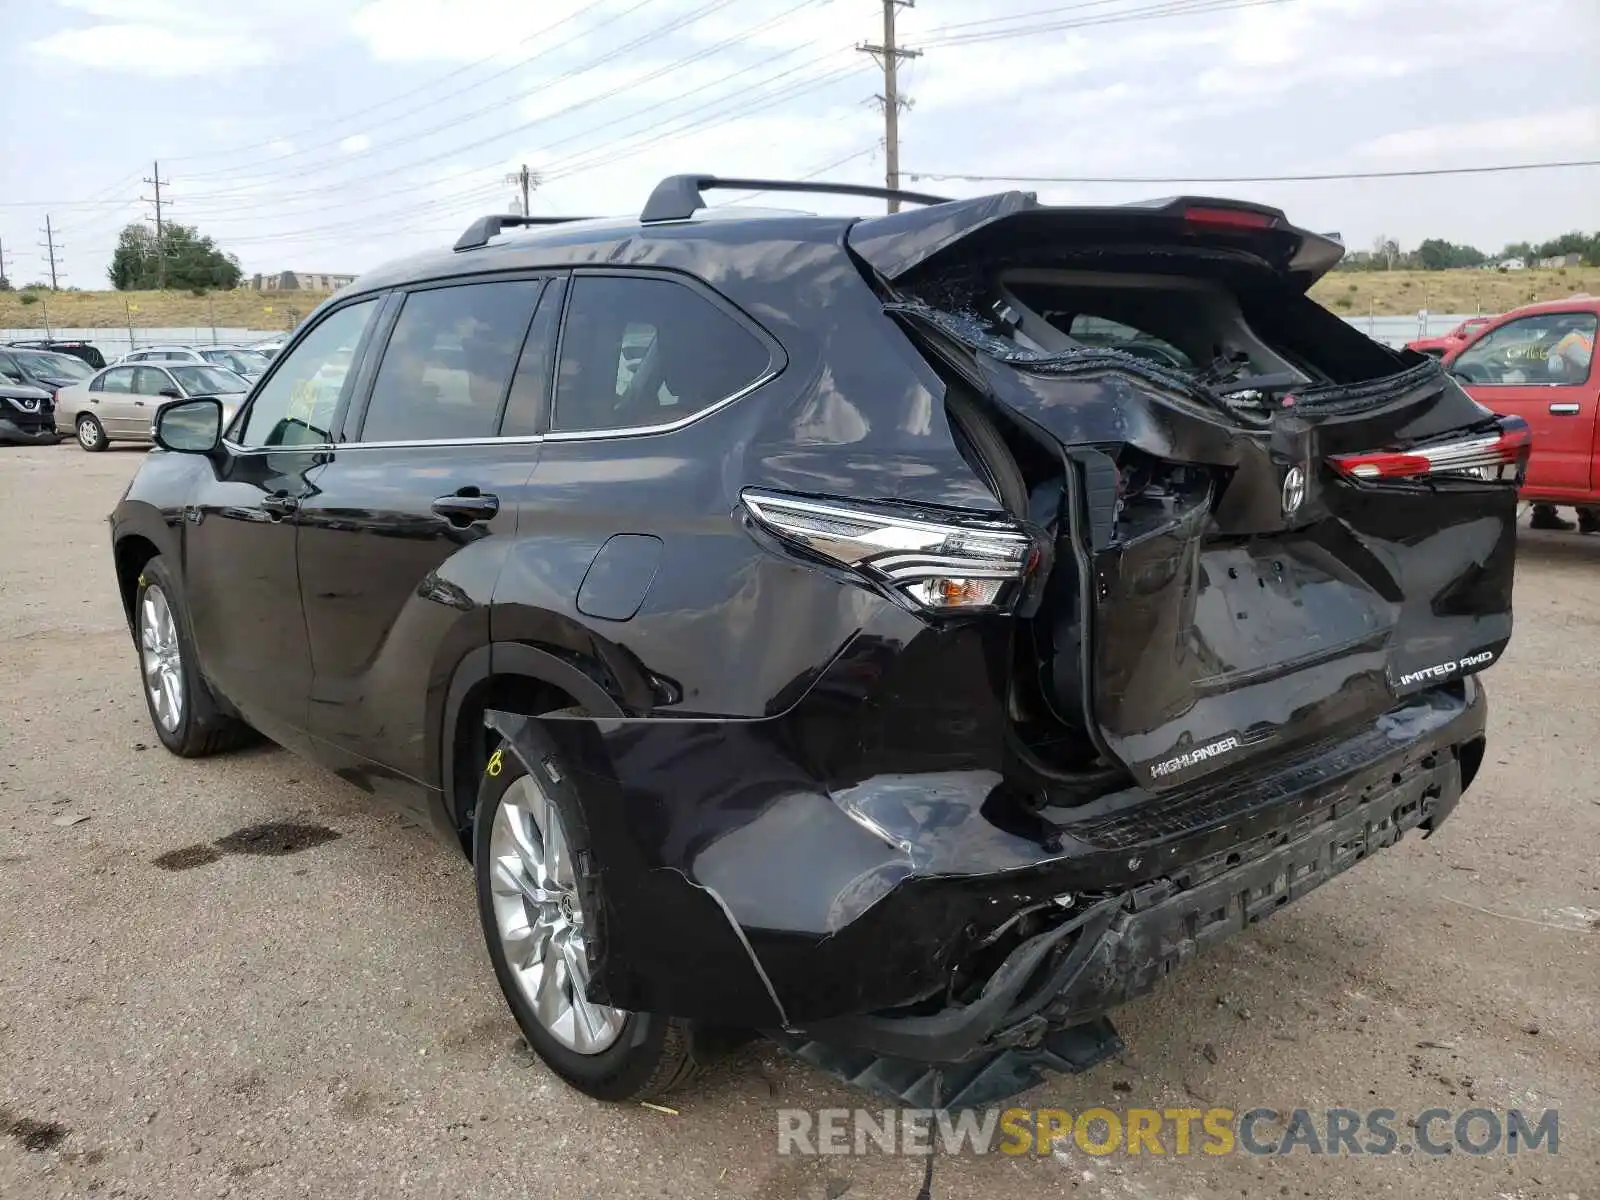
(323, 1022)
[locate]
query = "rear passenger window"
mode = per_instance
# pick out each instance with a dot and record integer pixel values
(448, 364)
(638, 352)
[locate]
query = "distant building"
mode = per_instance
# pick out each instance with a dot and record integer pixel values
(1512, 264)
(1573, 259)
(303, 281)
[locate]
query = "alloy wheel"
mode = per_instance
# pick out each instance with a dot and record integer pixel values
(540, 920)
(88, 435)
(161, 658)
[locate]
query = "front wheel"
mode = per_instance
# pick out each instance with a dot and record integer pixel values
(91, 434)
(183, 711)
(538, 902)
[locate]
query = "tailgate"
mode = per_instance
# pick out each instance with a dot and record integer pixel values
(1269, 528)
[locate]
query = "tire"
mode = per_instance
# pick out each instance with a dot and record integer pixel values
(645, 1054)
(91, 434)
(183, 711)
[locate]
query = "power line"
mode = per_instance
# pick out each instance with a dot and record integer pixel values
(604, 149)
(322, 126)
(1155, 12)
(498, 107)
(888, 56)
(1411, 173)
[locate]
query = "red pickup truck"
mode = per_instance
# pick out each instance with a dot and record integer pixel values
(1537, 362)
(1458, 337)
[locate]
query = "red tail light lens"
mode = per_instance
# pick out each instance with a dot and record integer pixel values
(1497, 456)
(1229, 218)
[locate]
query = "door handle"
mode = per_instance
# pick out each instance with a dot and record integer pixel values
(278, 505)
(467, 507)
(1568, 409)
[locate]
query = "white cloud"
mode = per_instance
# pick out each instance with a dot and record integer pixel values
(281, 147)
(152, 50)
(1572, 132)
(417, 30)
(355, 143)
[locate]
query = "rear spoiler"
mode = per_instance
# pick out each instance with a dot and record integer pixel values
(895, 245)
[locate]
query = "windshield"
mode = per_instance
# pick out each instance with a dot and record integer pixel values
(62, 365)
(245, 362)
(206, 381)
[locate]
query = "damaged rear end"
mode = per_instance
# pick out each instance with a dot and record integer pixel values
(1264, 528)
(1256, 559)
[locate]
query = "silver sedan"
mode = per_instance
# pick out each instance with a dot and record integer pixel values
(119, 403)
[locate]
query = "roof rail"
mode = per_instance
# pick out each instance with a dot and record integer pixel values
(677, 197)
(484, 228)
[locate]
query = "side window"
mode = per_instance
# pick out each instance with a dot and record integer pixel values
(148, 381)
(1551, 348)
(638, 352)
(449, 360)
(295, 407)
(119, 380)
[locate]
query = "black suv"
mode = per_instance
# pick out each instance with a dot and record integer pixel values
(83, 351)
(908, 636)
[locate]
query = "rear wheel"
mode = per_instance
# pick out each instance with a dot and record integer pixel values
(538, 902)
(183, 711)
(91, 434)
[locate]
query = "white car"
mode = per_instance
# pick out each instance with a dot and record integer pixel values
(245, 363)
(118, 404)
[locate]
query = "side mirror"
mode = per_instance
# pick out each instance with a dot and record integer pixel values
(190, 426)
(170, 393)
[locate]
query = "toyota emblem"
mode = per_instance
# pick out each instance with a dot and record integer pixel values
(1294, 491)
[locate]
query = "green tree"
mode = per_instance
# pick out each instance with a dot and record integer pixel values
(1576, 242)
(1436, 254)
(183, 259)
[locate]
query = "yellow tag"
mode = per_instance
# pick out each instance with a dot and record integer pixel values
(496, 760)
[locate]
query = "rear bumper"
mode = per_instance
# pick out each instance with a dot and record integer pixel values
(1116, 947)
(910, 906)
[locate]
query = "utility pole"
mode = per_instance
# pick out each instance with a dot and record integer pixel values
(158, 183)
(4, 274)
(888, 56)
(50, 248)
(526, 180)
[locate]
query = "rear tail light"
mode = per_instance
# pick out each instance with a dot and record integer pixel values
(1229, 218)
(940, 561)
(1499, 456)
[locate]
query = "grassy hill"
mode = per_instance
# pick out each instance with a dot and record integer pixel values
(1350, 293)
(1402, 293)
(155, 310)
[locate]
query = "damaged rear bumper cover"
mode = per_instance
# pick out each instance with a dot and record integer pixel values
(736, 888)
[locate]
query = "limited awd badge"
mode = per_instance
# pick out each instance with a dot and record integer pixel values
(1294, 491)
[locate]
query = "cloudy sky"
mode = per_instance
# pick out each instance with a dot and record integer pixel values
(329, 135)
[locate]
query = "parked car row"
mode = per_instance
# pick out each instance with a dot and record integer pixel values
(50, 388)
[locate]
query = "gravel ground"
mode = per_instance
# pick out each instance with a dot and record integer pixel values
(324, 1021)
